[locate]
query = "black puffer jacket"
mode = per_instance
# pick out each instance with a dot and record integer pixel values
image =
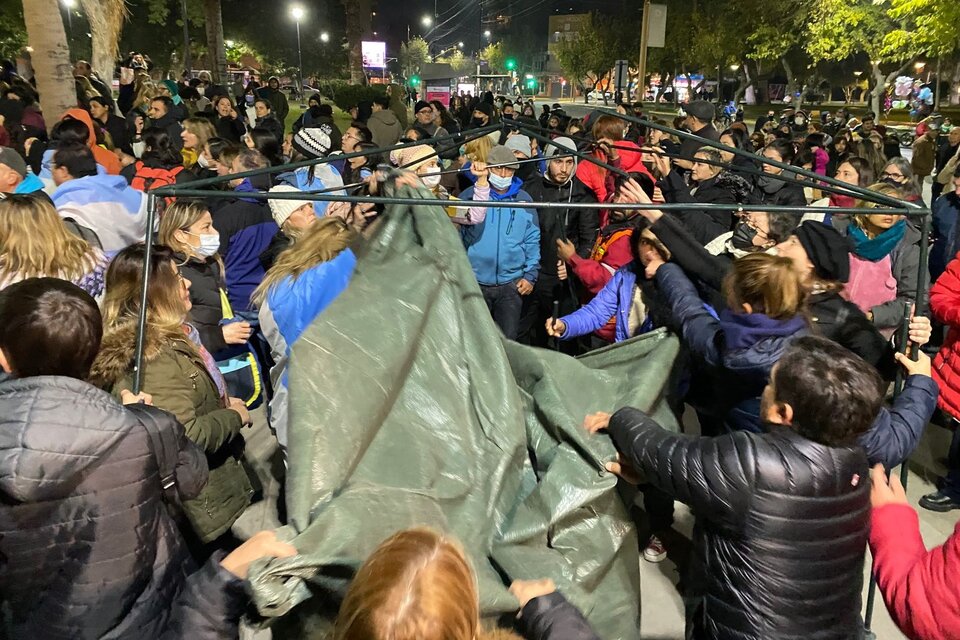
(782, 526)
(87, 548)
(725, 188)
(206, 280)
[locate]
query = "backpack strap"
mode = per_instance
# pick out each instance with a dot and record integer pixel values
(166, 451)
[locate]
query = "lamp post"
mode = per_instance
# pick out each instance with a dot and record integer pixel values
(70, 4)
(297, 13)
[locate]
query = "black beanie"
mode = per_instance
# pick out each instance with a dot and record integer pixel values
(827, 249)
(484, 108)
(421, 104)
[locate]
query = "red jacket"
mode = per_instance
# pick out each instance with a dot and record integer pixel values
(601, 181)
(945, 305)
(921, 588)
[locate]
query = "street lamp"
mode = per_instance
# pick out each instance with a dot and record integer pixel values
(324, 37)
(486, 34)
(70, 4)
(427, 21)
(459, 45)
(229, 43)
(734, 67)
(297, 13)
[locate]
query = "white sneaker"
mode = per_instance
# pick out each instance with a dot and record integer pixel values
(655, 551)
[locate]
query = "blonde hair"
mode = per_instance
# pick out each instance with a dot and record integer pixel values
(417, 585)
(769, 284)
(180, 216)
(202, 128)
(34, 241)
(165, 308)
(321, 242)
(478, 148)
(860, 219)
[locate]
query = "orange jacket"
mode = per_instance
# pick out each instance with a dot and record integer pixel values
(107, 158)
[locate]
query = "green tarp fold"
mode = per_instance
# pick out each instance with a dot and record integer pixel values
(408, 408)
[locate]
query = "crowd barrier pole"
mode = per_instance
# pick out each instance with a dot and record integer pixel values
(153, 204)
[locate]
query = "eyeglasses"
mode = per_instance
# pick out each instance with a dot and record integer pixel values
(425, 112)
(887, 174)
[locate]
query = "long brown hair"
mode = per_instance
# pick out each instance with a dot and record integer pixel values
(165, 307)
(34, 242)
(417, 585)
(320, 242)
(769, 284)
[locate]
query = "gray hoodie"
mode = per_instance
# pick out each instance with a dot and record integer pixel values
(385, 127)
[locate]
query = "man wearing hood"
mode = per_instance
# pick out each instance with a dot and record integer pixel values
(162, 115)
(572, 230)
(383, 123)
(503, 245)
(104, 204)
(273, 93)
(482, 116)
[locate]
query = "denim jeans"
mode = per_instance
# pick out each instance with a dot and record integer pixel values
(505, 305)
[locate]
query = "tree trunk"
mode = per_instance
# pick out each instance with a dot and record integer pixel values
(51, 57)
(745, 83)
(106, 18)
(358, 18)
(213, 19)
(880, 83)
(791, 84)
(954, 84)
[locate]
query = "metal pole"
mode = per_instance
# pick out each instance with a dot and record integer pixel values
(644, 38)
(299, 87)
(187, 60)
(152, 203)
(936, 93)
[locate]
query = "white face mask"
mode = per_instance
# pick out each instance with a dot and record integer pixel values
(209, 244)
(430, 180)
(202, 161)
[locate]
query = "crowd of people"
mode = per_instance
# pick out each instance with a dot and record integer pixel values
(118, 507)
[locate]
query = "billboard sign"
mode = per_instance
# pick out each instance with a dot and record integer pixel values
(374, 54)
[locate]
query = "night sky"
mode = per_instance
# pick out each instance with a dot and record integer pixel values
(460, 20)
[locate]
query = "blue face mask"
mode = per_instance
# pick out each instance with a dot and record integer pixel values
(249, 99)
(499, 183)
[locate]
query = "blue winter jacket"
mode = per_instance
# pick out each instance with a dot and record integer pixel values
(325, 176)
(897, 430)
(741, 347)
(614, 300)
(506, 245)
(946, 212)
(246, 228)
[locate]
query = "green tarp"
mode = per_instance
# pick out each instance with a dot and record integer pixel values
(407, 407)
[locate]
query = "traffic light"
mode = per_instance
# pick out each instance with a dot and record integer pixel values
(414, 81)
(510, 64)
(532, 83)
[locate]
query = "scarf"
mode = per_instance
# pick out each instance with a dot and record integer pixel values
(838, 200)
(879, 247)
(743, 330)
(208, 362)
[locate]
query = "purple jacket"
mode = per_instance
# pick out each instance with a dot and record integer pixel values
(614, 299)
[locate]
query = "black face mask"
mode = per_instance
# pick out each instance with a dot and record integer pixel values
(743, 235)
(508, 116)
(477, 123)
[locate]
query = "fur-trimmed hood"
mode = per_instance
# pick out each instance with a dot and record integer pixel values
(117, 349)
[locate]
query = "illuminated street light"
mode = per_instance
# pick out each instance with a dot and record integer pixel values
(297, 13)
(486, 34)
(229, 43)
(69, 4)
(734, 67)
(460, 45)
(324, 37)
(427, 21)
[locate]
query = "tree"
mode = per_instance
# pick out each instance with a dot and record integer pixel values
(579, 56)
(494, 55)
(358, 24)
(776, 36)
(461, 64)
(213, 19)
(106, 18)
(51, 57)
(840, 29)
(13, 33)
(413, 55)
(930, 27)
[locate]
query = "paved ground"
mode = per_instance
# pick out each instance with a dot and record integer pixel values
(661, 606)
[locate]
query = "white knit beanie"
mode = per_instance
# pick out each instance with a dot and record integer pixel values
(281, 209)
